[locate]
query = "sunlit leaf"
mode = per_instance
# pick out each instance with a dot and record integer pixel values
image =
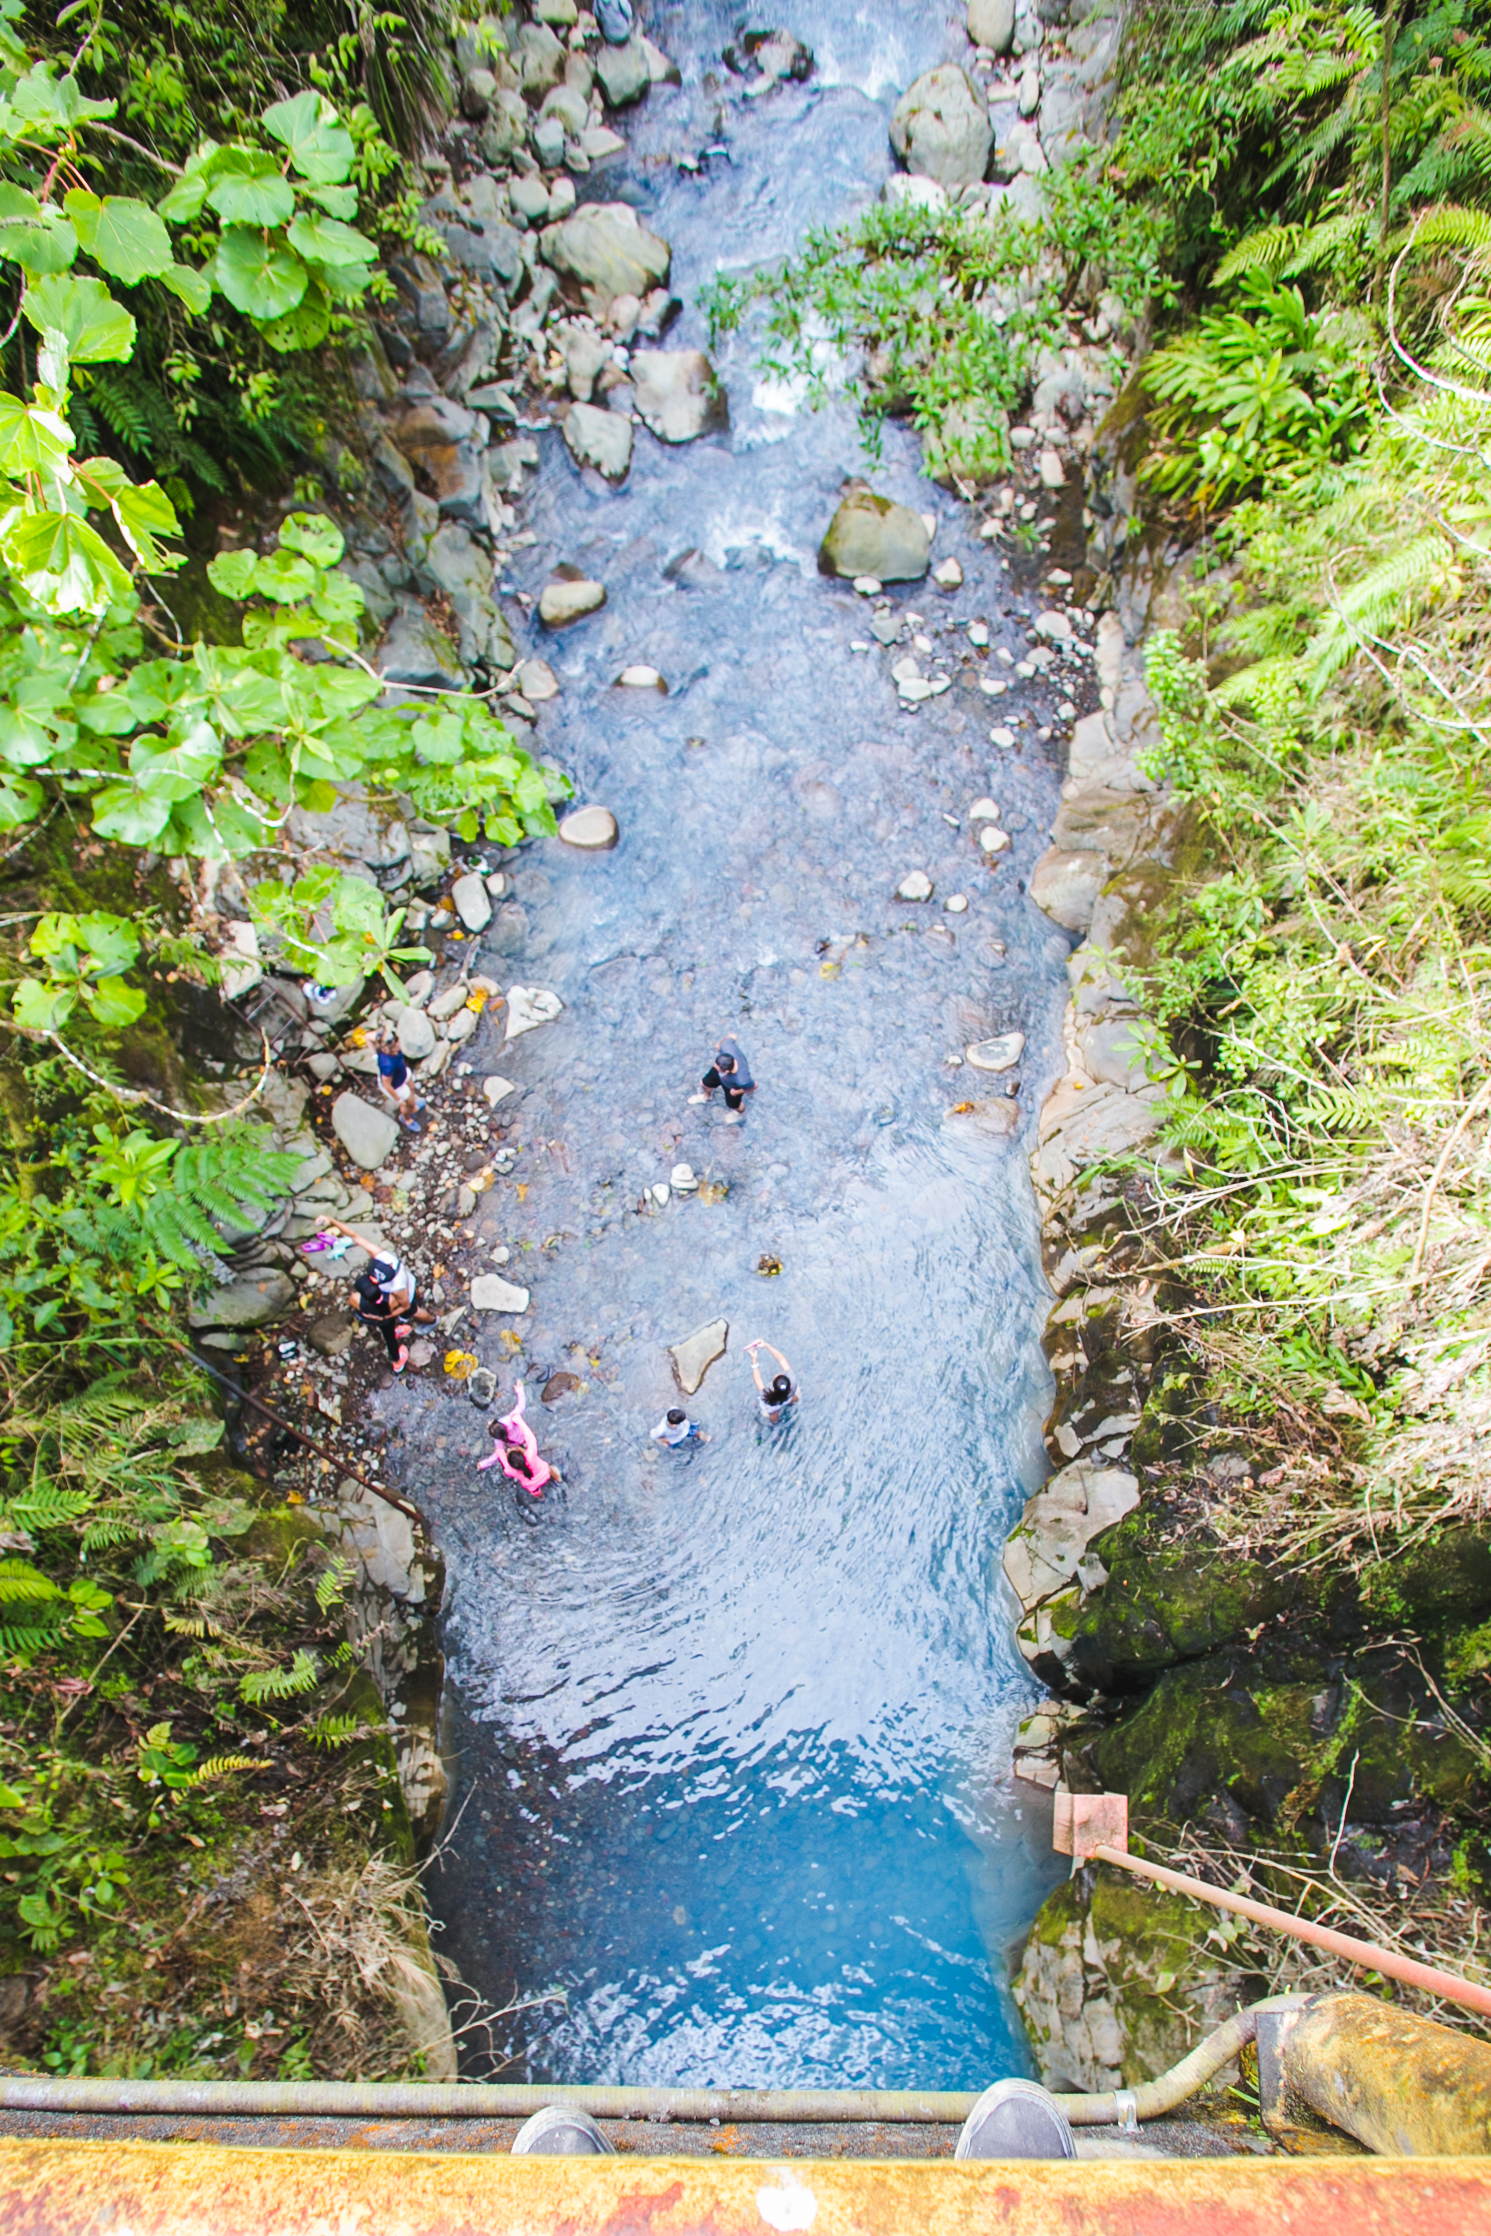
(321, 147)
(260, 277)
(96, 327)
(65, 565)
(125, 236)
(323, 240)
(241, 198)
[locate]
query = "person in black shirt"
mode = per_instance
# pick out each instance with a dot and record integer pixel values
(375, 1310)
(730, 1071)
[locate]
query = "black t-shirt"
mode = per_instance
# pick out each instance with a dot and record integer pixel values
(741, 1076)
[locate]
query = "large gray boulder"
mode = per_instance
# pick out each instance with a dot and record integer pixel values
(540, 59)
(569, 600)
(623, 74)
(678, 394)
(414, 651)
(369, 1136)
(603, 251)
(872, 535)
(940, 127)
(991, 23)
(462, 568)
(602, 439)
(254, 1300)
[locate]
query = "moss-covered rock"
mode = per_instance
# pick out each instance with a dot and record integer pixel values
(1169, 1597)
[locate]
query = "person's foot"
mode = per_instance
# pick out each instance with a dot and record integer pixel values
(698, 1098)
(403, 1330)
(735, 1118)
(560, 2131)
(401, 1361)
(1016, 2119)
(411, 1125)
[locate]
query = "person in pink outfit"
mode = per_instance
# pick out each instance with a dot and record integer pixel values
(515, 1450)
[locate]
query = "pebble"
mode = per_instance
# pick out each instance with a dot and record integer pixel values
(956, 903)
(868, 586)
(1054, 625)
(684, 1180)
(1005, 738)
(660, 1193)
(994, 685)
(948, 574)
(1067, 711)
(641, 678)
(993, 840)
(473, 902)
(915, 886)
(500, 1253)
(978, 633)
(490, 1293)
(562, 602)
(1002, 1053)
(1051, 470)
(461, 1027)
(984, 811)
(496, 1087)
(592, 829)
(537, 681)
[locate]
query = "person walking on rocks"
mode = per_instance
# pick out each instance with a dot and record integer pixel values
(389, 1271)
(774, 1396)
(676, 1429)
(396, 1083)
(731, 1072)
(375, 1311)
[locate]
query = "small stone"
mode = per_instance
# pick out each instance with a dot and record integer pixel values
(997, 1119)
(537, 682)
(641, 678)
(562, 602)
(592, 829)
(1055, 626)
(496, 1089)
(1050, 469)
(872, 535)
(915, 886)
(331, 1335)
(465, 1201)
(421, 1354)
(490, 1293)
(369, 1136)
(528, 1006)
(984, 811)
(684, 1180)
(660, 1193)
(416, 1034)
(992, 840)
(530, 197)
(868, 586)
(956, 903)
(948, 575)
(323, 1068)
(461, 1027)
(1006, 738)
(978, 634)
(445, 1005)
(1067, 710)
(1000, 1054)
(693, 1357)
(473, 902)
(602, 439)
(562, 198)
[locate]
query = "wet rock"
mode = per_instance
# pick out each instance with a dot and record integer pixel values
(593, 829)
(991, 23)
(331, 1335)
(940, 128)
(585, 354)
(598, 143)
(769, 58)
(255, 1300)
(660, 1193)
(1066, 884)
(461, 1027)
(528, 1006)
(496, 1089)
(693, 1357)
(490, 1293)
(508, 935)
(996, 1120)
(530, 198)
(537, 681)
(548, 144)
(1059, 1524)
(506, 127)
(956, 904)
(416, 1034)
(872, 535)
(639, 677)
(460, 567)
(604, 251)
(1050, 469)
(1000, 1054)
(622, 74)
(602, 439)
(948, 574)
(369, 1136)
(559, 1385)
(906, 190)
(615, 19)
(915, 886)
(684, 1180)
(239, 959)
(663, 69)
(679, 395)
(445, 1005)
(992, 840)
(565, 601)
(473, 904)
(540, 60)
(414, 651)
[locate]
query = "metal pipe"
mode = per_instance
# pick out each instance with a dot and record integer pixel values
(1364, 1954)
(24, 2092)
(1406, 2087)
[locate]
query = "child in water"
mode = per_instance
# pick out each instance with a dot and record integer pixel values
(515, 1450)
(775, 1396)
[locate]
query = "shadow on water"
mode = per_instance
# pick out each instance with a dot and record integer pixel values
(729, 1729)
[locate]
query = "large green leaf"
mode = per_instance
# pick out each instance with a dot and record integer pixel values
(144, 511)
(114, 1005)
(243, 198)
(322, 240)
(192, 288)
(314, 535)
(42, 1009)
(176, 770)
(130, 814)
(337, 201)
(83, 310)
(20, 802)
(233, 572)
(123, 235)
(54, 104)
(39, 240)
(33, 439)
(285, 578)
(259, 276)
(321, 147)
(306, 327)
(63, 563)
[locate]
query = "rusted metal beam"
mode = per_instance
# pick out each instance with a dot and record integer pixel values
(1400, 2084)
(78, 2189)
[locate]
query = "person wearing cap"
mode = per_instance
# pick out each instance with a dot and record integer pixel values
(731, 1072)
(393, 1277)
(395, 1082)
(375, 1311)
(675, 1429)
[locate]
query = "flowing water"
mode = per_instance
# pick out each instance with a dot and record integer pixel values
(729, 1729)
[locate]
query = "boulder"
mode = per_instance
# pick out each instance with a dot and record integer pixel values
(603, 251)
(1060, 1522)
(602, 439)
(445, 1005)
(528, 1006)
(678, 394)
(496, 1089)
(461, 1027)
(537, 681)
(254, 1300)
(540, 60)
(995, 1119)
(331, 1335)
(463, 570)
(562, 602)
(369, 1136)
(414, 651)
(872, 535)
(473, 904)
(416, 1034)
(490, 1293)
(506, 127)
(1082, 1126)
(693, 1357)
(991, 23)
(592, 829)
(1066, 886)
(622, 74)
(940, 128)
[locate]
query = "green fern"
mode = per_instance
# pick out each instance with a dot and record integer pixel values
(281, 1684)
(335, 1731)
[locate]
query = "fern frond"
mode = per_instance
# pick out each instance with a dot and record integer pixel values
(335, 1731)
(1267, 250)
(223, 1766)
(280, 1684)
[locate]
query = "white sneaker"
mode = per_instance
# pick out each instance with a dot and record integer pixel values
(698, 1098)
(735, 1118)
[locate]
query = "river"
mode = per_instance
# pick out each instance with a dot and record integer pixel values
(729, 1730)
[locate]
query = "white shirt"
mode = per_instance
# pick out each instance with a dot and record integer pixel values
(673, 1432)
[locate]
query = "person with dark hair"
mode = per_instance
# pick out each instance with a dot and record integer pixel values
(775, 1396)
(731, 1072)
(396, 1084)
(515, 1450)
(675, 1429)
(389, 1271)
(375, 1311)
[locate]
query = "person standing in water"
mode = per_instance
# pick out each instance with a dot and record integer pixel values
(731, 1072)
(676, 1429)
(774, 1396)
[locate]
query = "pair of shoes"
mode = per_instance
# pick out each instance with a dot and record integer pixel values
(698, 1098)
(1016, 2119)
(560, 2131)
